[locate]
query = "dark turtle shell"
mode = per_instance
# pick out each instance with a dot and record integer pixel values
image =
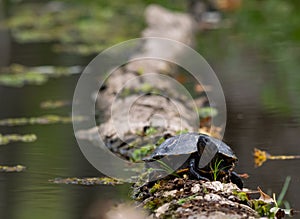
(187, 144)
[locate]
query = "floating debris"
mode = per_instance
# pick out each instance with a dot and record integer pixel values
(9, 169)
(5, 139)
(49, 104)
(262, 156)
(42, 120)
(87, 181)
(19, 75)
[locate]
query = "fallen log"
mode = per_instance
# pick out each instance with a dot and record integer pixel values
(140, 103)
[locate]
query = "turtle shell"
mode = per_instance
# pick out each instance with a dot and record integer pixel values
(187, 144)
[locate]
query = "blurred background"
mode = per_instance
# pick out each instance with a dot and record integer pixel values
(253, 48)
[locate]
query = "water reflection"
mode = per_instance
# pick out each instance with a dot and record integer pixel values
(262, 93)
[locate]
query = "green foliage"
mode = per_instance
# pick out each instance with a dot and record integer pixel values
(216, 168)
(151, 131)
(160, 141)
(18, 80)
(241, 195)
(262, 208)
(140, 153)
(284, 189)
(153, 204)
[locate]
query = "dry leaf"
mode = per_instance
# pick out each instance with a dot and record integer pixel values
(264, 197)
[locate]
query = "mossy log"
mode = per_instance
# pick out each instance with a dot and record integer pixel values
(139, 109)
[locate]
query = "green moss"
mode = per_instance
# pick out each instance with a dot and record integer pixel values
(205, 191)
(153, 204)
(155, 187)
(47, 119)
(262, 208)
(241, 195)
(186, 199)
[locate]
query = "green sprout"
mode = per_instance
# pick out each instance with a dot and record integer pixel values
(216, 169)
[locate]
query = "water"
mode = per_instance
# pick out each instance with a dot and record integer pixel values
(251, 125)
(56, 154)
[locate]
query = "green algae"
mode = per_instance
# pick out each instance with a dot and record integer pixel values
(5, 139)
(17, 75)
(89, 181)
(42, 120)
(75, 28)
(54, 104)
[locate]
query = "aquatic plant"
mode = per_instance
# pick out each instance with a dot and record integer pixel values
(17, 75)
(54, 104)
(88, 181)
(42, 120)
(76, 28)
(8, 169)
(5, 139)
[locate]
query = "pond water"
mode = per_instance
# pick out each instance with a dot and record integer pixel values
(28, 194)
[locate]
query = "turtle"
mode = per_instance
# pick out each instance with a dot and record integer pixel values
(199, 155)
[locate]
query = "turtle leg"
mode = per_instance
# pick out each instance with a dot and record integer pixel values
(194, 170)
(236, 179)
